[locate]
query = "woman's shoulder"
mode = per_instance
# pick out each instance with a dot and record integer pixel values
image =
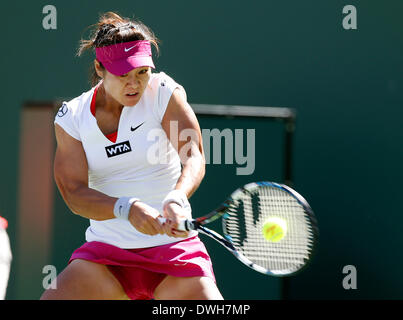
(161, 80)
(161, 88)
(73, 111)
(81, 102)
(162, 77)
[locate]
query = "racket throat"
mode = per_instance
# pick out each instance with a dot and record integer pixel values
(212, 234)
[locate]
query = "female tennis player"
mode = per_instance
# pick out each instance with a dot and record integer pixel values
(122, 162)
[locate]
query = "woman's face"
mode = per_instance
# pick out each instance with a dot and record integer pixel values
(126, 89)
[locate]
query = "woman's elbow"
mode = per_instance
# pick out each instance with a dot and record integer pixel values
(69, 194)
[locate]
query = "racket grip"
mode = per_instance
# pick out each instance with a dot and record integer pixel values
(183, 225)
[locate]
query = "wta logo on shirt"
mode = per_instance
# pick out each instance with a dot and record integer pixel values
(118, 149)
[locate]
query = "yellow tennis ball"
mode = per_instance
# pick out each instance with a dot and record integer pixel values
(274, 229)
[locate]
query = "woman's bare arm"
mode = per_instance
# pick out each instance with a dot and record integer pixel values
(71, 176)
(189, 141)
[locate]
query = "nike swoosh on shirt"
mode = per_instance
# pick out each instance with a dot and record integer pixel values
(132, 129)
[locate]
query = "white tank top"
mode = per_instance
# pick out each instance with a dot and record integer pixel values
(142, 163)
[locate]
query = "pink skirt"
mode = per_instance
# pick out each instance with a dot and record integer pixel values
(140, 271)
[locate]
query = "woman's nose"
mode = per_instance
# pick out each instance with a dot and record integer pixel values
(132, 80)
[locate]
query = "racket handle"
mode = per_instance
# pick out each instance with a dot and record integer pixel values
(183, 225)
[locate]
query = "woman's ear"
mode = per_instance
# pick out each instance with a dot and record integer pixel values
(98, 69)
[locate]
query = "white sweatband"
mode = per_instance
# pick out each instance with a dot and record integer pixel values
(122, 207)
(176, 196)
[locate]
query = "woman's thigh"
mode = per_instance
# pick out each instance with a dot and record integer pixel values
(187, 288)
(85, 280)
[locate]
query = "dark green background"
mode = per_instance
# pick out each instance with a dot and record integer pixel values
(346, 86)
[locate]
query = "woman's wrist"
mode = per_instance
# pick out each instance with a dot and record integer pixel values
(122, 207)
(176, 196)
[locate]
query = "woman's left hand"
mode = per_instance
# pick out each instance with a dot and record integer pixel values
(174, 213)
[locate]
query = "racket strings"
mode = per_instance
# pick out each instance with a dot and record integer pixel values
(244, 223)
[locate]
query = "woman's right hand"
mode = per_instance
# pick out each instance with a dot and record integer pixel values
(145, 219)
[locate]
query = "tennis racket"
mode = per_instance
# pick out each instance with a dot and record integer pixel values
(244, 216)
